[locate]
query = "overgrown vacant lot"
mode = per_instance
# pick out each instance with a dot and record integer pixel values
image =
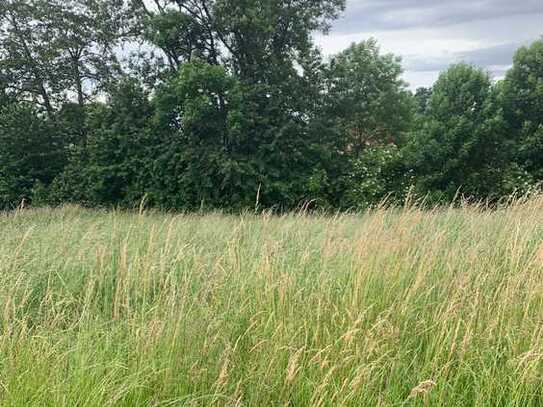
(392, 307)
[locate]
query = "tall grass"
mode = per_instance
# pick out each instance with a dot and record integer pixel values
(388, 308)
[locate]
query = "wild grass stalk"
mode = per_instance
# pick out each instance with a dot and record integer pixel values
(393, 307)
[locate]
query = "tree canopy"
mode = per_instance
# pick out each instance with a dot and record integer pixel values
(190, 104)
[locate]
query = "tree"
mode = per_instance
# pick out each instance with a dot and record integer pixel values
(193, 164)
(248, 36)
(266, 44)
(369, 105)
(368, 97)
(27, 61)
(52, 49)
(522, 100)
(86, 34)
(112, 166)
(459, 148)
(266, 37)
(181, 30)
(5, 97)
(31, 153)
(266, 48)
(422, 98)
(223, 143)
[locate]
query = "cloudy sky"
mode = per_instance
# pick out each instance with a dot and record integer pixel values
(431, 34)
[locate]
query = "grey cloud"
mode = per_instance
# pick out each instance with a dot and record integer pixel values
(494, 56)
(371, 15)
(496, 60)
(491, 56)
(421, 64)
(433, 34)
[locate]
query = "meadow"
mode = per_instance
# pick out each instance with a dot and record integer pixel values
(392, 307)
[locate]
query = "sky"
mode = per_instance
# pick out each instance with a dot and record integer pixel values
(430, 35)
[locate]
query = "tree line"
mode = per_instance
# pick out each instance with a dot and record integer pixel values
(229, 104)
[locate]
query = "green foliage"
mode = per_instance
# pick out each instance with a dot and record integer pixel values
(367, 96)
(197, 117)
(109, 166)
(266, 38)
(522, 99)
(51, 48)
(367, 102)
(177, 34)
(458, 148)
(224, 143)
(229, 104)
(422, 98)
(376, 176)
(30, 153)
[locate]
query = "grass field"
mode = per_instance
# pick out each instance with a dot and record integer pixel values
(389, 308)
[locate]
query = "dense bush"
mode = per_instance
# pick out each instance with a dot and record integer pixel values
(377, 176)
(32, 153)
